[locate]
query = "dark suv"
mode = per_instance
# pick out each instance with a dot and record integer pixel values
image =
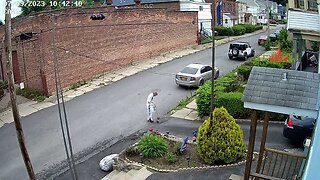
(241, 50)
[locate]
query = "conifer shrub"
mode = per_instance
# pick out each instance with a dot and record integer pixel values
(153, 146)
(220, 139)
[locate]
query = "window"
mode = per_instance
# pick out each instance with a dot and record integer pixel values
(312, 5)
(205, 69)
(226, 21)
(200, 8)
(299, 4)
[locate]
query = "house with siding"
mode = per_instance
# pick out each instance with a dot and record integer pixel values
(252, 13)
(304, 25)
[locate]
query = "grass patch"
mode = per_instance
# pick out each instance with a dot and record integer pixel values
(31, 94)
(182, 104)
(77, 85)
(209, 39)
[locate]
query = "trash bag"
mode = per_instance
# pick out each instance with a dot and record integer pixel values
(107, 162)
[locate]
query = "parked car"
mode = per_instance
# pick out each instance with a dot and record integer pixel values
(298, 128)
(273, 37)
(262, 39)
(277, 33)
(194, 75)
(272, 21)
(241, 50)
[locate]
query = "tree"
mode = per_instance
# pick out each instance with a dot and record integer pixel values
(220, 139)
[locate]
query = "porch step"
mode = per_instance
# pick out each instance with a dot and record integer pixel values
(235, 177)
(133, 174)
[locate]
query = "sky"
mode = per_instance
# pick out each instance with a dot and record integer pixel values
(15, 10)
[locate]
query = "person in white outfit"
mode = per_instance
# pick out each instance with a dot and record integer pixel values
(151, 106)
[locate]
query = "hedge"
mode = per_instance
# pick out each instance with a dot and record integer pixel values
(238, 30)
(224, 31)
(228, 90)
(232, 101)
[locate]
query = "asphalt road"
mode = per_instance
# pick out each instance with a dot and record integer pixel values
(101, 117)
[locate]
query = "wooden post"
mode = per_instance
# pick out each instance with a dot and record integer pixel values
(253, 128)
(294, 54)
(15, 110)
(263, 140)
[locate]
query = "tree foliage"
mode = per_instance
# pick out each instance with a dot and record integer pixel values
(220, 140)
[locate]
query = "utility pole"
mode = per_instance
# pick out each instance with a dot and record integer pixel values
(213, 24)
(13, 99)
(268, 17)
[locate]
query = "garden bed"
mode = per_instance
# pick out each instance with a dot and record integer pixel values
(162, 163)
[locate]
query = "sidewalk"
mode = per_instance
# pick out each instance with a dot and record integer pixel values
(29, 107)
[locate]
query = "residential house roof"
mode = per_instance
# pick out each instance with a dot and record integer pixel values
(267, 88)
(232, 17)
(303, 21)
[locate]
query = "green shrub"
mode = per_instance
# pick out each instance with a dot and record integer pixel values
(249, 28)
(152, 146)
(203, 99)
(177, 148)
(244, 71)
(258, 27)
(238, 30)
(267, 45)
(171, 158)
(284, 42)
(77, 85)
(31, 94)
(3, 84)
(232, 101)
(224, 31)
(132, 151)
(220, 140)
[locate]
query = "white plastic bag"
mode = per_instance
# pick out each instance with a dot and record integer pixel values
(107, 162)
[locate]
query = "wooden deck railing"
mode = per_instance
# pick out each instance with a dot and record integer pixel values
(280, 165)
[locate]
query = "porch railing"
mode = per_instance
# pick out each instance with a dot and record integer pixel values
(280, 165)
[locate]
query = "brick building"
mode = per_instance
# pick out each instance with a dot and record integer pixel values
(86, 48)
(228, 6)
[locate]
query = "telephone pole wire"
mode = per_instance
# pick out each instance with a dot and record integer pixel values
(15, 110)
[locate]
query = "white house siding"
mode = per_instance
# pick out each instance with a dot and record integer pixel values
(303, 21)
(204, 13)
(227, 21)
(242, 9)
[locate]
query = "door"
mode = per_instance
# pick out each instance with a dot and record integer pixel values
(15, 65)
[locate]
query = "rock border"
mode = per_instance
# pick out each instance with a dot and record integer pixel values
(171, 137)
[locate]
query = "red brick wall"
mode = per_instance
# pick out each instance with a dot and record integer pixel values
(86, 48)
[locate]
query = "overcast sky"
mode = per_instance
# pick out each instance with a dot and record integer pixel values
(15, 10)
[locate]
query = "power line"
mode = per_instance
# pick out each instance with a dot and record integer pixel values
(64, 119)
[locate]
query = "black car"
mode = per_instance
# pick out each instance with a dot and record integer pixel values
(298, 128)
